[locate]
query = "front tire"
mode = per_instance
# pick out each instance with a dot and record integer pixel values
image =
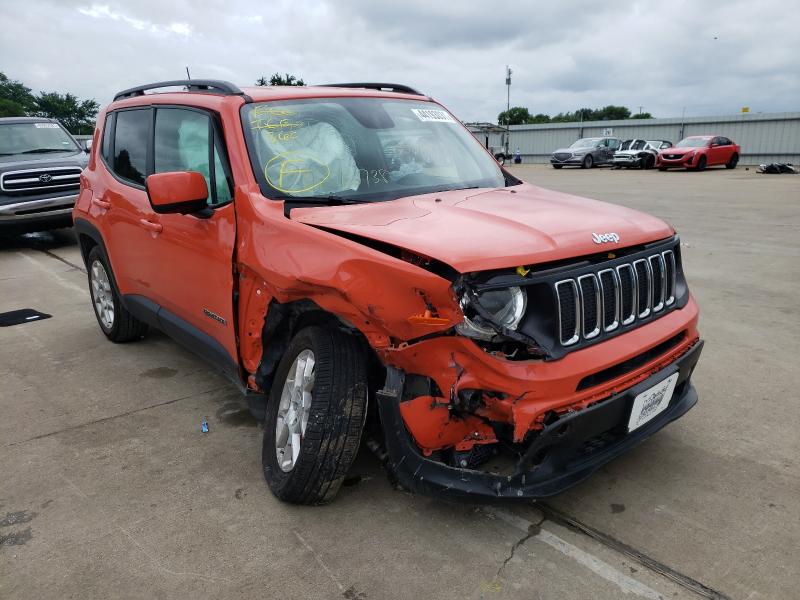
(588, 162)
(115, 321)
(315, 414)
(557, 166)
(731, 164)
(701, 164)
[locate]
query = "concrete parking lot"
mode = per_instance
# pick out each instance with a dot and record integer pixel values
(108, 489)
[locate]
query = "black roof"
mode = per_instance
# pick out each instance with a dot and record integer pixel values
(26, 120)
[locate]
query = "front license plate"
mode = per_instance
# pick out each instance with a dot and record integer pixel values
(651, 402)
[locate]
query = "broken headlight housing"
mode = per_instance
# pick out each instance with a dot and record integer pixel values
(487, 313)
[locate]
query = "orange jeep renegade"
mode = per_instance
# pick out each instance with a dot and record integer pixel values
(352, 256)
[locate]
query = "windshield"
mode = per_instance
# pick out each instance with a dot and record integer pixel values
(585, 143)
(34, 138)
(362, 149)
(692, 143)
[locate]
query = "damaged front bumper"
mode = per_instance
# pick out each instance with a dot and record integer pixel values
(562, 454)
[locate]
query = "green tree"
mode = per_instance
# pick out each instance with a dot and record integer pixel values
(278, 79)
(9, 108)
(644, 115)
(16, 92)
(516, 115)
(76, 115)
(612, 113)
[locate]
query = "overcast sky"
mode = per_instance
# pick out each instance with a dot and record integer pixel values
(712, 57)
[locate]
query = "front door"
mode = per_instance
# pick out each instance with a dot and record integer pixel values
(192, 277)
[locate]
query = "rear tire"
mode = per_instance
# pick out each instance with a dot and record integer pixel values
(588, 162)
(115, 321)
(310, 441)
(732, 162)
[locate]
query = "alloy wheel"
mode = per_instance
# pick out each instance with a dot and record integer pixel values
(102, 296)
(294, 410)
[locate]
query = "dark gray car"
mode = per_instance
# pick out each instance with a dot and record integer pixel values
(40, 168)
(586, 153)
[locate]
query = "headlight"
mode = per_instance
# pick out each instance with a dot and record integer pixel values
(578, 152)
(506, 308)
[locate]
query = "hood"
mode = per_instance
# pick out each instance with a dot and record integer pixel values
(67, 158)
(473, 230)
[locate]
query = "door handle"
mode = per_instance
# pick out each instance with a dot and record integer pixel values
(154, 227)
(101, 203)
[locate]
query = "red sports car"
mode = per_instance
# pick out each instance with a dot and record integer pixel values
(698, 152)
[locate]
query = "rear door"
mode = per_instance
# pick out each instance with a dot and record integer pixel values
(725, 149)
(124, 203)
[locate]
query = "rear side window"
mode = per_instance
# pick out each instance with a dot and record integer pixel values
(130, 144)
(108, 130)
(185, 140)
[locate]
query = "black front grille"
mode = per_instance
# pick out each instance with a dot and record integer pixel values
(590, 305)
(562, 156)
(32, 181)
(568, 315)
(610, 301)
(622, 294)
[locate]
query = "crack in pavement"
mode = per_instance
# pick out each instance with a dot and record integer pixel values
(533, 530)
(560, 518)
(123, 414)
(59, 258)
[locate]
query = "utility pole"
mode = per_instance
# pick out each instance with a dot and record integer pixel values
(508, 107)
(640, 110)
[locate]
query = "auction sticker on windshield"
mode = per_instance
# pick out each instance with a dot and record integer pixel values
(652, 402)
(430, 114)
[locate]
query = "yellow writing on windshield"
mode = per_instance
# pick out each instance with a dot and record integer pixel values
(295, 172)
(273, 118)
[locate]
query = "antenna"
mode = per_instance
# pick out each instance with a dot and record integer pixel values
(187, 73)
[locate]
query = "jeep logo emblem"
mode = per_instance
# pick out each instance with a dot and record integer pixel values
(45, 178)
(600, 238)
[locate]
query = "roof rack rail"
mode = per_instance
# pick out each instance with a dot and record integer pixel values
(390, 87)
(213, 86)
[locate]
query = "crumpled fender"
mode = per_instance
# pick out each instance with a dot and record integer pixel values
(387, 299)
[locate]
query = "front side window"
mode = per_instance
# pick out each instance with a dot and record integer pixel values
(185, 141)
(613, 143)
(585, 143)
(35, 138)
(363, 149)
(130, 144)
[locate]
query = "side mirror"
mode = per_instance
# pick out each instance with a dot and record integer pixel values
(181, 192)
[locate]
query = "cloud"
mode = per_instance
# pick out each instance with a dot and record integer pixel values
(709, 57)
(102, 11)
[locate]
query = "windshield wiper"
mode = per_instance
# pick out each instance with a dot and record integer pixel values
(330, 200)
(44, 150)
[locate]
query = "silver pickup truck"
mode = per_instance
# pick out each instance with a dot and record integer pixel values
(40, 168)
